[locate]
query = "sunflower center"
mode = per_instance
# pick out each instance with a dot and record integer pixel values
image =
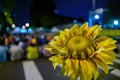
(77, 43)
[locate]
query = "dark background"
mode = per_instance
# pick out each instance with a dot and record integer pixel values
(69, 8)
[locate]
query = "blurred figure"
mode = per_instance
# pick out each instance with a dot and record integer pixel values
(8, 39)
(3, 51)
(33, 39)
(49, 38)
(24, 47)
(45, 52)
(21, 43)
(32, 50)
(16, 52)
(42, 39)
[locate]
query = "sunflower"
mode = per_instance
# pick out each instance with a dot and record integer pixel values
(81, 52)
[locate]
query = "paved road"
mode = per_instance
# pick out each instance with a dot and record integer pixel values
(15, 70)
(19, 70)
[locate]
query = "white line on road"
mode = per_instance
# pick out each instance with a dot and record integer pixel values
(31, 72)
(118, 54)
(117, 61)
(116, 72)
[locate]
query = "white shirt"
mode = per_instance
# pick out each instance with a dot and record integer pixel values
(16, 52)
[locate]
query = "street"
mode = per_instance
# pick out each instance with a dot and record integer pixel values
(41, 69)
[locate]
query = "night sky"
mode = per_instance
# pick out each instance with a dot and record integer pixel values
(71, 8)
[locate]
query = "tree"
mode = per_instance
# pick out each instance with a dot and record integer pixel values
(6, 15)
(42, 13)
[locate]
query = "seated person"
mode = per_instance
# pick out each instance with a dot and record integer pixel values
(3, 51)
(16, 52)
(32, 50)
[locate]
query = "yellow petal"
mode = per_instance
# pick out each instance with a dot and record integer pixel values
(67, 33)
(55, 43)
(55, 64)
(110, 47)
(74, 54)
(90, 51)
(103, 40)
(83, 55)
(64, 34)
(96, 31)
(107, 42)
(101, 64)
(74, 27)
(86, 70)
(84, 26)
(94, 69)
(56, 49)
(67, 67)
(63, 39)
(93, 31)
(76, 66)
(112, 54)
(105, 58)
(52, 50)
(57, 59)
(73, 76)
(75, 30)
(57, 38)
(63, 70)
(84, 29)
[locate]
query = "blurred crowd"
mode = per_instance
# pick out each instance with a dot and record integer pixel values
(27, 46)
(23, 46)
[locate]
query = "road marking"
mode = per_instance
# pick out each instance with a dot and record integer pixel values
(118, 54)
(117, 61)
(31, 71)
(116, 72)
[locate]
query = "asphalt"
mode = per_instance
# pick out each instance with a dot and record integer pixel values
(13, 70)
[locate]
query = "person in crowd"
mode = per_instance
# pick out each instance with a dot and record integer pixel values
(49, 38)
(8, 39)
(24, 46)
(32, 50)
(3, 50)
(43, 50)
(21, 43)
(33, 39)
(16, 52)
(42, 39)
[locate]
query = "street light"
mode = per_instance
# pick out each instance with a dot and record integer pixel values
(97, 16)
(116, 22)
(13, 25)
(27, 24)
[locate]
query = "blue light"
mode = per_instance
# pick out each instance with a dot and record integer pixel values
(23, 30)
(75, 21)
(29, 30)
(97, 16)
(116, 22)
(56, 11)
